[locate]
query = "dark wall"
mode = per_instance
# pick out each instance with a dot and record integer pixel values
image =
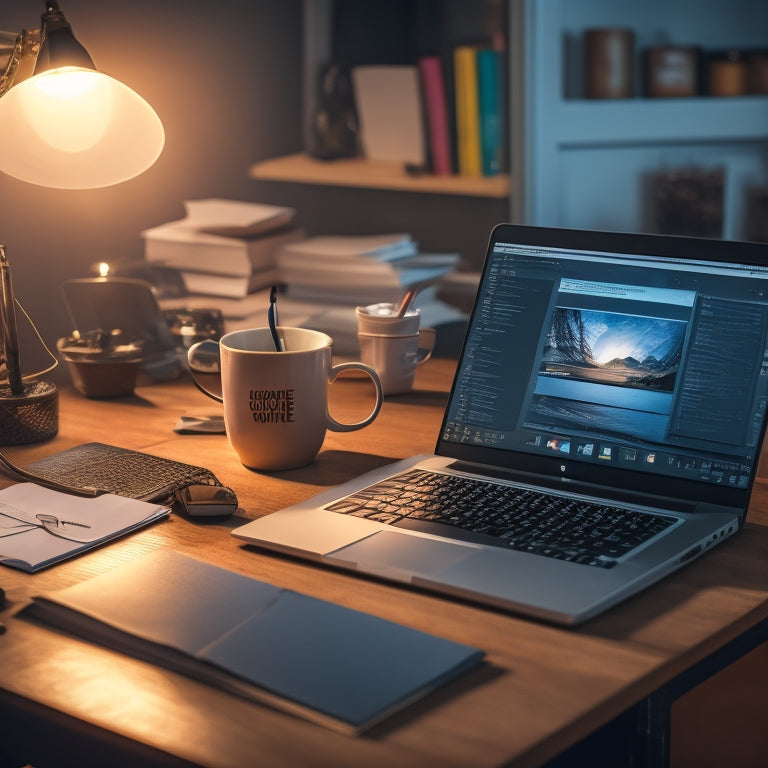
(225, 79)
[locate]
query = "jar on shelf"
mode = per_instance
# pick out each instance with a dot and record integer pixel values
(671, 71)
(728, 74)
(609, 63)
(757, 73)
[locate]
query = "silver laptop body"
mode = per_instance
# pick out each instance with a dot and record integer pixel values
(599, 369)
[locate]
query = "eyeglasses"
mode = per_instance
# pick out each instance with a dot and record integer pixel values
(65, 529)
(14, 521)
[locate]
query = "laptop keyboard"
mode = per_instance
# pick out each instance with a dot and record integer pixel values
(507, 516)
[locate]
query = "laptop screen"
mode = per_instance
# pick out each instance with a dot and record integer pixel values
(640, 355)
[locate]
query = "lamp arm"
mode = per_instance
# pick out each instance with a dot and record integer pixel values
(11, 67)
(22, 59)
(7, 40)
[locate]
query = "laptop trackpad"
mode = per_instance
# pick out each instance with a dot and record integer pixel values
(388, 553)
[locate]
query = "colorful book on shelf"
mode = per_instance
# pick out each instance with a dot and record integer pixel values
(489, 62)
(335, 666)
(450, 104)
(388, 102)
(467, 110)
(433, 88)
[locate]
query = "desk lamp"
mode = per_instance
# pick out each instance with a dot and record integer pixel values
(64, 125)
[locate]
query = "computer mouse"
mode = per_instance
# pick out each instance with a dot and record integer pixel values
(207, 500)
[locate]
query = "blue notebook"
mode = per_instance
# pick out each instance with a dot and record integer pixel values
(336, 666)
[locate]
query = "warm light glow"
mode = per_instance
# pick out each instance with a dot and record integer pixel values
(103, 269)
(76, 128)
(69, 109)
(67, 82)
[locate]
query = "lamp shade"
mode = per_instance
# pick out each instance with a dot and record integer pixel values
(76, 128)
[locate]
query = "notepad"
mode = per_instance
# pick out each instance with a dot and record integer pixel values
(335, 666)
(40, 527)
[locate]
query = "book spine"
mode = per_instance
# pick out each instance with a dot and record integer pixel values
(450, 101)
(178, 255)
(489, 101)
(215, 285)
(433, 89)
(467, 113)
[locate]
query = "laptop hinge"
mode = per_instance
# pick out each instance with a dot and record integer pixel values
(574, 486)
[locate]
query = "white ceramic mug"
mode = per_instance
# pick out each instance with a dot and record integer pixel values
(393, 346)
(275, 403)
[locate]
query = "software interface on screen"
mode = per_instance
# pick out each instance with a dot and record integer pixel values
(639, 362)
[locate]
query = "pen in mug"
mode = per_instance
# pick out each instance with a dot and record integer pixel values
(405, 303)
(273, 321)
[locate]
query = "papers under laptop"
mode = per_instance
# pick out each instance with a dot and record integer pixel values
(611, 395)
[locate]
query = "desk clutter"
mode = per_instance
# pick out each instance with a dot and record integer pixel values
(225, 255)
(40, 526)
(119, 334)
(332, 665)
(98, 492)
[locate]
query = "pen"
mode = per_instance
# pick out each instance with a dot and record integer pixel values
(405, 303)
(272, 318)
(10, 332)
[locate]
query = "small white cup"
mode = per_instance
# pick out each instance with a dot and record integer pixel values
(393, 346)
(275, 403)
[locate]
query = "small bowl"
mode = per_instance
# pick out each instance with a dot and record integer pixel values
(104, 378)
(100, 366)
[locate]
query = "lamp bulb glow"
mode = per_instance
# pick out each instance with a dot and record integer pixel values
(68, 108)
(76, 128)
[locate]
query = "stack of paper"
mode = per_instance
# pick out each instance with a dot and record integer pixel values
(223, 247)
(327, 276)
(358, 269)
(39, 527)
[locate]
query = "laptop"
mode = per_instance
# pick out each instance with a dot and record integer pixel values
(603, 429)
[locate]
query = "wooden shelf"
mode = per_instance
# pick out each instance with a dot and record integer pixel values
(370, 174)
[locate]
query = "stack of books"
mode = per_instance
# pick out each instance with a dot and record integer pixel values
(323, 278)
(223, 248)
(365, 269)
(327, 276)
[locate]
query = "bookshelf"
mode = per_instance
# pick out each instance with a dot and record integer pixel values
(362, 173)
(574, 162)
(589, 162)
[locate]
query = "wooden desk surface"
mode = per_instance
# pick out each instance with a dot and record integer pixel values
(542, 689)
